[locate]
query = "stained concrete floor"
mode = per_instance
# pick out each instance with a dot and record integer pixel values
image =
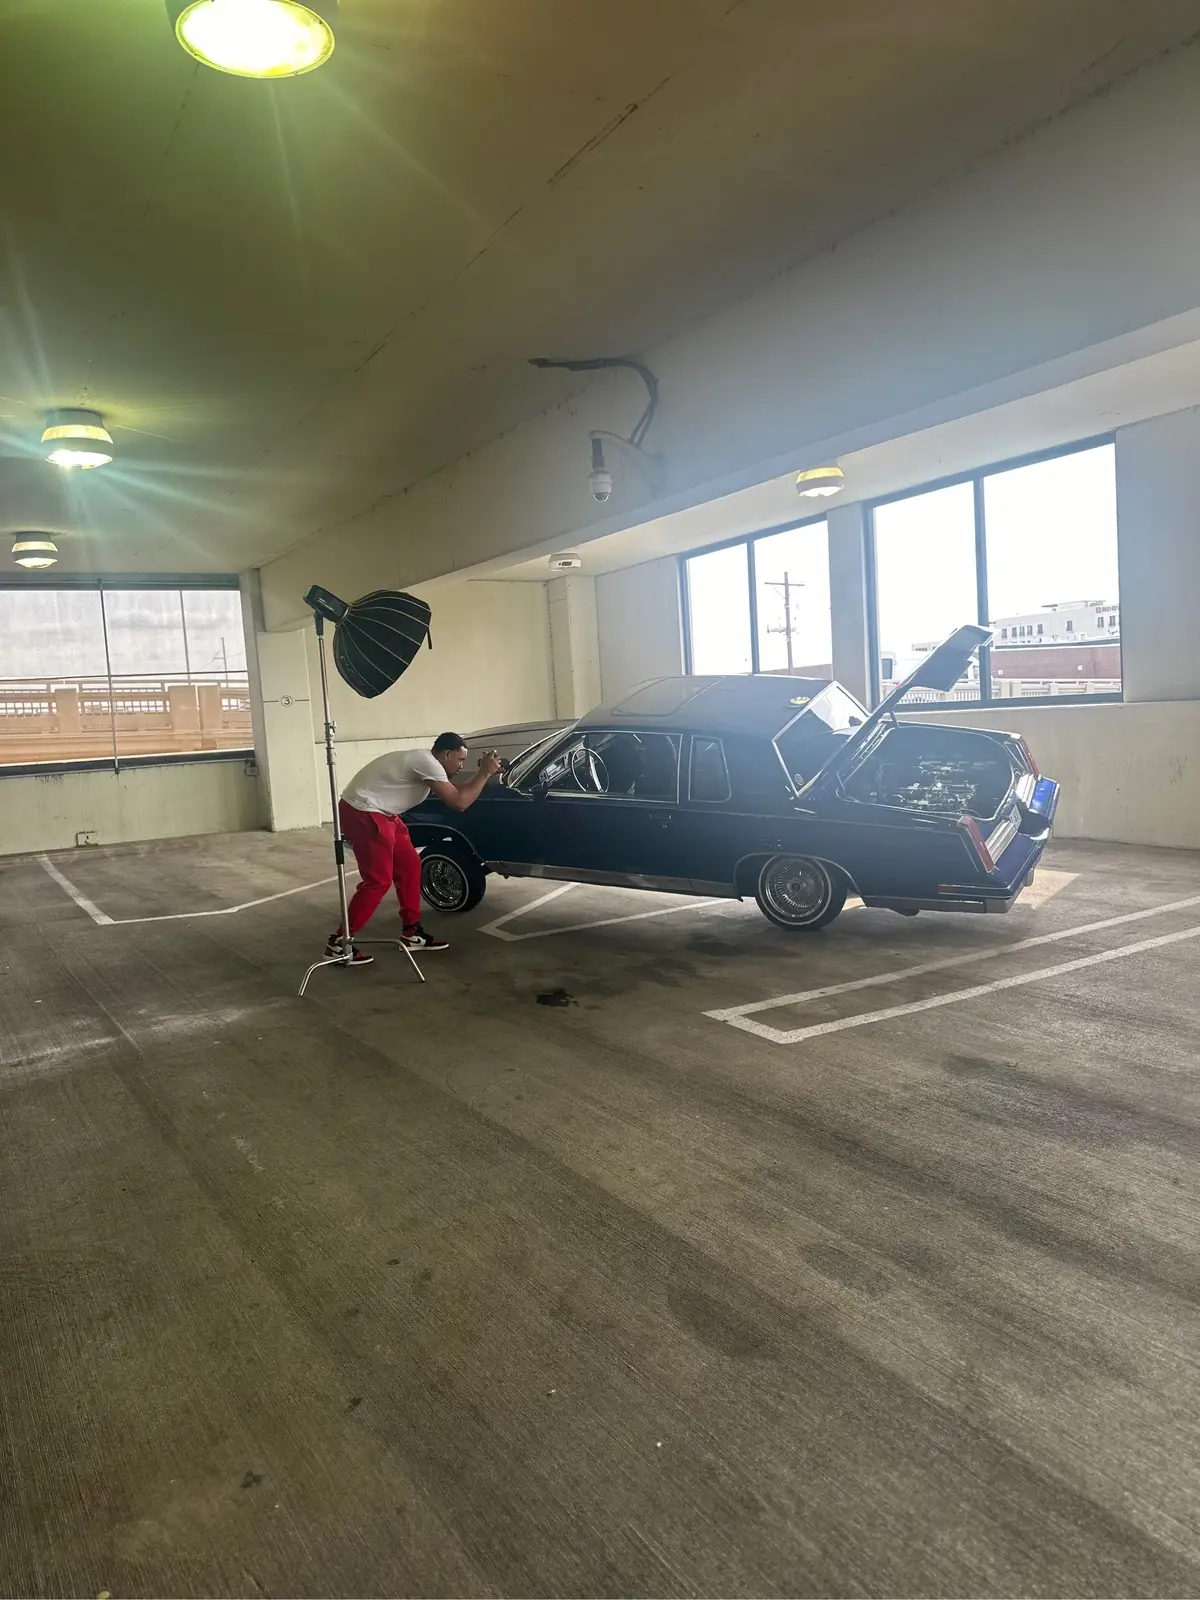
(439, 1291)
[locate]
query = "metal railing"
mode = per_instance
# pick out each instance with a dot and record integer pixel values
(79, 718)
(1012, 689)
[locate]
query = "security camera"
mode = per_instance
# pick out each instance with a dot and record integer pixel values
(600, 478)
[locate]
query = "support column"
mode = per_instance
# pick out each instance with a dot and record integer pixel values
(574, 644)
(1158, 549)
(283, 718)
(848, 599)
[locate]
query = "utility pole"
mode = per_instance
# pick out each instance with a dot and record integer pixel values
(787, 586)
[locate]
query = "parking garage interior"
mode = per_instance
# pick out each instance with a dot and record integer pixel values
(643, 1247)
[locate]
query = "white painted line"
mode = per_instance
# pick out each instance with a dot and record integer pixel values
(80, 899)
(499, 931)
(221, 911)
(730, 1013)
(543, 899)
(795, 1035)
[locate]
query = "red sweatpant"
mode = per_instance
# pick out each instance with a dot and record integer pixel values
(385, 855)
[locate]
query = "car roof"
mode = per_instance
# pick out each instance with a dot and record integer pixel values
(760, 705)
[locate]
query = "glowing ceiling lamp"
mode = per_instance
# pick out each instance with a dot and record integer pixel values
(34, 551)
(256, 38)
(77, 439)
(818, 483)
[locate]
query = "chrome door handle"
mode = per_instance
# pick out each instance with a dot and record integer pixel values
(662, 816)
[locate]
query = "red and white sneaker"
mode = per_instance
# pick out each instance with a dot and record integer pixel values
(334, 952)
(417, 939)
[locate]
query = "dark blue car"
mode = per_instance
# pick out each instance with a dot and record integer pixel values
(778, 787)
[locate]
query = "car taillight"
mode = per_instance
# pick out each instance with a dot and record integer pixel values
(1028, 754)
(971, 828)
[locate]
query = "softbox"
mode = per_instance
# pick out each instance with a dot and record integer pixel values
(374, 642)
(375, 638)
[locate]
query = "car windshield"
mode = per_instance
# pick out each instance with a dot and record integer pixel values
(810, 743)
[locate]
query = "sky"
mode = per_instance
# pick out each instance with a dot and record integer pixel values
(1051, 537)
(57, 634)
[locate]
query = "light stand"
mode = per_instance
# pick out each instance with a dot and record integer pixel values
(339, 844)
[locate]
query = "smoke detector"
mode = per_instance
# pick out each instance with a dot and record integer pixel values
(566, 561)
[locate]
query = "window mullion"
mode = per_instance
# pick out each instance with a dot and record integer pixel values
(752, 581)
(981, 587)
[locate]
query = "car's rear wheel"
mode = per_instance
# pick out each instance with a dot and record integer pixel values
(452, 880)
(798, 893)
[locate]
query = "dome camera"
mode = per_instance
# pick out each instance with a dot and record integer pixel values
(601, 484)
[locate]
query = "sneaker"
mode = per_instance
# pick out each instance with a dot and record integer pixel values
(334, 952)
(417, 939)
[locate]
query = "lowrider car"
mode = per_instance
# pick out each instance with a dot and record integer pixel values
(780, 788)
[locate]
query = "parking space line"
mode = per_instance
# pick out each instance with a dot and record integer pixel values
(80, 899)
(732, 1013)
(102, 917)
(864, 1019)
(499, 931)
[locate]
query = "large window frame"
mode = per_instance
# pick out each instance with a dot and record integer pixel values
(748, 541)
(976, 479)
(116, 763)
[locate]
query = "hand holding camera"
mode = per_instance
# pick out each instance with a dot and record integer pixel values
(490, 763)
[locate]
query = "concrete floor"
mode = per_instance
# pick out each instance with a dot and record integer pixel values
(437, 1290)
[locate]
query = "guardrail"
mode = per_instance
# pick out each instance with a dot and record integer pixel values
(1012, 689)
(74, 719)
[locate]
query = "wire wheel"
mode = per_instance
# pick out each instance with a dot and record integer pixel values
(797, 892)
(450, 881)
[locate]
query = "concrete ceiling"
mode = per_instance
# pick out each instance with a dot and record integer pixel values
(1086, 408)
(291, 301)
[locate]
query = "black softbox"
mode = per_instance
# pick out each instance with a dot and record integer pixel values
(375, 638)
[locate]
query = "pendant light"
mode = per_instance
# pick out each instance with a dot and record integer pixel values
(256, 38)
(77, 439)
(818, 483)
(34, 551)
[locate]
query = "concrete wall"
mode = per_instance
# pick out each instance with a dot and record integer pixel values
(1128, 772)
(46, 813)
(490, 664)
(1158, 524)
(1016, 277)
(640, 626)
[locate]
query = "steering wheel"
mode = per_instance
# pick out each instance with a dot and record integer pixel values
(586, 761)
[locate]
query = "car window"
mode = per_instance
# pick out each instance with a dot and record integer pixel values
(555, 769)
(641, 766)
(816, 736)
(709, 778)
(756, 774)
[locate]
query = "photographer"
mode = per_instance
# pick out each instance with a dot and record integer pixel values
(370, 813)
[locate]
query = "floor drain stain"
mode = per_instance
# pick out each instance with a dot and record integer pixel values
(556, 997)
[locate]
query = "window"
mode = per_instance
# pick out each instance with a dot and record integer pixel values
(106, 672)
(718, 608)
(791, 572)
(761, 604)
(1038, 537)
(641, 766)
(925, 579)
(709, 779)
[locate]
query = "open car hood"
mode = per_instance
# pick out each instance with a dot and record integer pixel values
(941, 669)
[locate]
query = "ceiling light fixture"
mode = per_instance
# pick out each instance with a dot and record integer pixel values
(34, 551)
(818, 483)
(77, 439)
(256, 38)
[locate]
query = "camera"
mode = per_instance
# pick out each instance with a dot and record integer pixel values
(601, 484)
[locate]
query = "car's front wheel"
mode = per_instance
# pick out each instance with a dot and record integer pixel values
(451, 878)
(798, 893)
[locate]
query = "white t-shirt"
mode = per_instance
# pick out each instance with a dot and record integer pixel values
(394, 783)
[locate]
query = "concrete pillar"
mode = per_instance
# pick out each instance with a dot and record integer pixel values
(209, 698)
(1158, 548)
(848, 599)
(66, 710)
(282, 716)
(184, 711)
(574, 644)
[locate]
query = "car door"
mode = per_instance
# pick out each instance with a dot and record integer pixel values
(619, 827)
(736, 801)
